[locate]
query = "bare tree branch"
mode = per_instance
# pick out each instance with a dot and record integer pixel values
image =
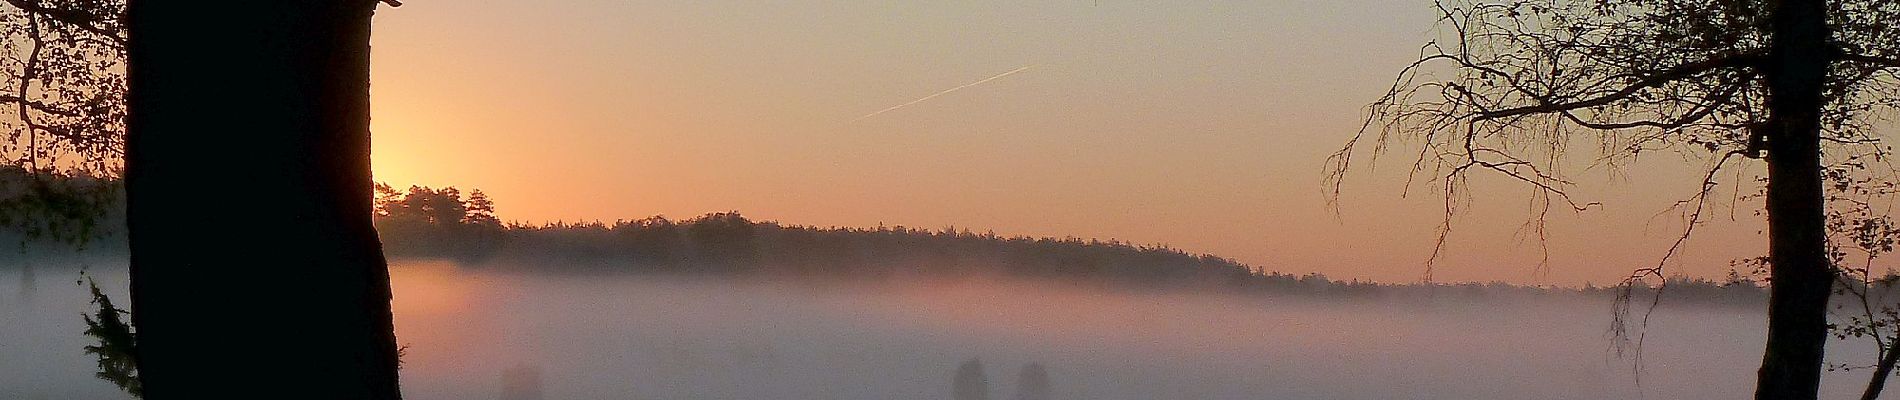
(1651, 81)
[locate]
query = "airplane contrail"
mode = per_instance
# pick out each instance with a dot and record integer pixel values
(944, 92)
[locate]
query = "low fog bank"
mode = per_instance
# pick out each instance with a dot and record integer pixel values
(499, 334)
(42, 354)
(701, 337)
(732, 246)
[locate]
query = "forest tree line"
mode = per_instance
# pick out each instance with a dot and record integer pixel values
(421, 222)
(425, 222)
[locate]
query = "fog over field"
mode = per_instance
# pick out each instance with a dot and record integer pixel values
(649, 337)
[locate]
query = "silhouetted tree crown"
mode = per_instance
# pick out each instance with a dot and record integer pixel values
(1509, 88)
(62, 116)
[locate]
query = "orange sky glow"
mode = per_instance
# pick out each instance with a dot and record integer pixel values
(1201, 125)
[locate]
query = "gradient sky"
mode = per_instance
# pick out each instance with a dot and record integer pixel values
(1202, 125)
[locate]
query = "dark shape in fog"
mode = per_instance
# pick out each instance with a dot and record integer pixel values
(970, 384)
(521, 383)
(1032, 383)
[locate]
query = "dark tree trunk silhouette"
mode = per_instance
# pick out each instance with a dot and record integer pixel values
(1882, 370)
(255, 269)
(1796, 69)
(1773, 79)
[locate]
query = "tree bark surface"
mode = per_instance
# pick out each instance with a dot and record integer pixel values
(1801, 279)
(256, 272)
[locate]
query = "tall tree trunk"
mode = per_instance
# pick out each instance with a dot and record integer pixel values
(1802, 279)
(255, 270)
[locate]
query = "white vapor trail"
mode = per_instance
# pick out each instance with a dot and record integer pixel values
(944, 92)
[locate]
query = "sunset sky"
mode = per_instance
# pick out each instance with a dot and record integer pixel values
(1202, 125)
